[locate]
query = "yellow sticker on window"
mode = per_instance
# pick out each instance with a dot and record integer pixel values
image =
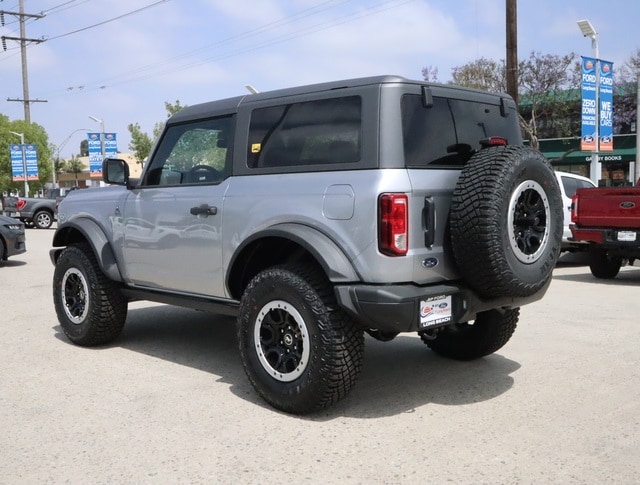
(255, 147)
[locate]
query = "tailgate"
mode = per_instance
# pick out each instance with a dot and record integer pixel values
(608, 207)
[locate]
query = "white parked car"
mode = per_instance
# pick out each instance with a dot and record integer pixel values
(569, 183)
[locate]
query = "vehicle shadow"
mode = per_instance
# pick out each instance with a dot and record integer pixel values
(396, 377)
(626, 277)
(12, 262)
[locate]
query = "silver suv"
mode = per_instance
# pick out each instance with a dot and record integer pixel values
(315, 214)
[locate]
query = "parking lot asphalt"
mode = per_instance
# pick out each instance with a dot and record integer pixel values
(168, 401)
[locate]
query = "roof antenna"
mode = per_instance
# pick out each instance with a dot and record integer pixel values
(251, 89)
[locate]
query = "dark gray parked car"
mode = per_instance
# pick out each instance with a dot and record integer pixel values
(12, 237)
(315, 214)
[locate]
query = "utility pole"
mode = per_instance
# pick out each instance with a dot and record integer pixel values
(512, 49)
(23, 52)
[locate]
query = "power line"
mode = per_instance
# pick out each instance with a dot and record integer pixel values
(155, 70)
(21, 15)
(109, 20)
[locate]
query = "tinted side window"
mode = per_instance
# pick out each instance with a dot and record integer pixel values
(193, 153)
(571, 185)
(310, 133)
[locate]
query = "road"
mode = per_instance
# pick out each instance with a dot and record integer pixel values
(168, 402)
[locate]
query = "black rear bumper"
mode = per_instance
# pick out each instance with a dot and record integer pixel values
(396, 308)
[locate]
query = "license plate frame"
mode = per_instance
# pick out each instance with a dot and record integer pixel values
(435, 311)
(627, 236)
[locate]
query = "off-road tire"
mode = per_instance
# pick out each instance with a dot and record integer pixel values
(90, 307)
(489, 332)
(43, 219)
(506, 222)
(602, 265)
(300, 351)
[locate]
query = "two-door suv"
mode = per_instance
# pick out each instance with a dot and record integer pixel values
(315, 214)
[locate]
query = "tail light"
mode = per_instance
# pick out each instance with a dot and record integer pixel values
(493, 141)
(20, 204)
(574, 208)
(393, 224)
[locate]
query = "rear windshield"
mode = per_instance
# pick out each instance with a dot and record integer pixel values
(448, 133)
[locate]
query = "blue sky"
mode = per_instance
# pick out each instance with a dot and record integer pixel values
(198, 50)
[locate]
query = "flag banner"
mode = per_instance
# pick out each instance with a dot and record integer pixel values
(95, 155)
(606, 106)
(589, 105)
(31, 154)
(17, 164)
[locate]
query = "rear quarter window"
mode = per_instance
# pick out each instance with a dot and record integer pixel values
(306, 134)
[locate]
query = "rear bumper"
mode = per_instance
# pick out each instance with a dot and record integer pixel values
(396, 308)
(614, 241)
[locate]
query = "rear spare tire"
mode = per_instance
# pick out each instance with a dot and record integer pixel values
(506, 222)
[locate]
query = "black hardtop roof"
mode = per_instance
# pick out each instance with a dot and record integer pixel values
(230, 105)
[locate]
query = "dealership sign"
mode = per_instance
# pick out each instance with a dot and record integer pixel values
(30, 154)
(597, 110)
(95, 151)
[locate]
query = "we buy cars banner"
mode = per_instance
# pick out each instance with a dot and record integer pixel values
(597, 113)
(606, 106)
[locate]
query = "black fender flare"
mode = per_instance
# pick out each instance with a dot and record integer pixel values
(95, 236)
(333, 260)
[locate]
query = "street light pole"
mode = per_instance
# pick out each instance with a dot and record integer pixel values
(60, 147)
(589, 31)
(24, 162)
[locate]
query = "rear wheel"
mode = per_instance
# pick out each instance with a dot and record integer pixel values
(489, 332)
(602, 265)
(43, 219)
(299, 350)
(90, 308)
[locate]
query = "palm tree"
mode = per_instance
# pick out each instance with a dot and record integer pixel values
(75, 166)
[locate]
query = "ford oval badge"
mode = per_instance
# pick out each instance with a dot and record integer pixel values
(430, 263)
(627, 205)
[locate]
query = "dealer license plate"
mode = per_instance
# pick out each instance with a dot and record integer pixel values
(435, 311)
(627, 236)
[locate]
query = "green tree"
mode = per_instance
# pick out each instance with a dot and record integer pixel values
(33, 134)
(141, 143)
(548, 90)
(485, 74)
(75, 166)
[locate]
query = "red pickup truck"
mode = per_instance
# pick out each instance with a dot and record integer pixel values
(609, 220)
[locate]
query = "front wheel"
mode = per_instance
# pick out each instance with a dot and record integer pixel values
(489, 332)
(90, 308)
(299, 351)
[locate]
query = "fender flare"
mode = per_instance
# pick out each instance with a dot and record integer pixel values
(333, 260)
(95, 236)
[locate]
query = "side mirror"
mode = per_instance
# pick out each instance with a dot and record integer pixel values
(115, 171)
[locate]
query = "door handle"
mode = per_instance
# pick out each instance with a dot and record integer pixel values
(204, 209)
